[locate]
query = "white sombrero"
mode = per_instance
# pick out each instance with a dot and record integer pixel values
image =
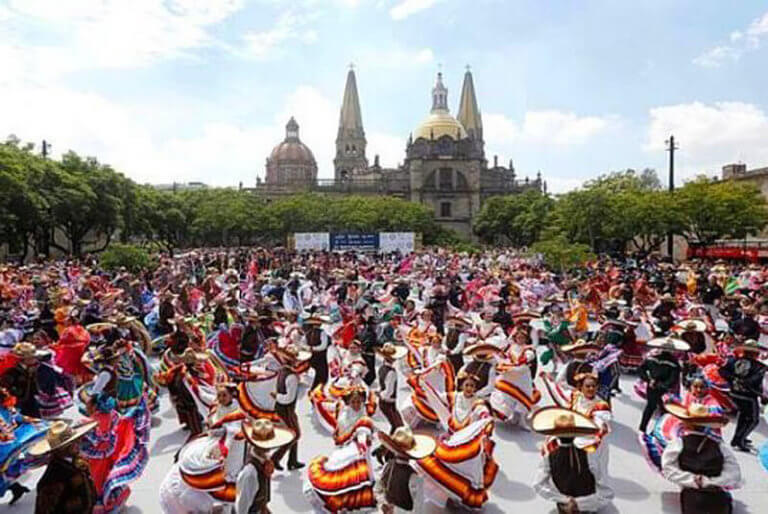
(559, 422)
(405, 443)
(669, 343)
(262, 433)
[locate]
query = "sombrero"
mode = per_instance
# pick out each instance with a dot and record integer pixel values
(26, 350)
(190, 356)
(315, 319)
(60, 434)
(697, 414)
(559, 422)
(580, 346)
(692, 325)
(405, 443)
(293, 354)
(459, 320)
(750, 345)
(392, 352)
(263, 434)
(525, 316)
(100, 326)
(669, 343)
(483, 351)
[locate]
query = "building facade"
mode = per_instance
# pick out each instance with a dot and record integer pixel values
(445, 165)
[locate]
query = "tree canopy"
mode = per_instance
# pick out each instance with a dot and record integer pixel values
(78, 204)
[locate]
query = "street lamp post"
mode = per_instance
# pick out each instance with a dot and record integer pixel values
(671, 147)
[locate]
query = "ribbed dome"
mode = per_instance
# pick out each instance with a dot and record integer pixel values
(293, 151)
(291, 161)
(439, 124)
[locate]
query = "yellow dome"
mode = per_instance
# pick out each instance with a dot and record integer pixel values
(440, 123)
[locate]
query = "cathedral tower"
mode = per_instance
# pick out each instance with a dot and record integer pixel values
(469, 113)
(350, 157)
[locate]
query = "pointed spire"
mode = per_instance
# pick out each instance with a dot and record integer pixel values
(439, 95)
(351, 120)
(469, 113)
(350, 141)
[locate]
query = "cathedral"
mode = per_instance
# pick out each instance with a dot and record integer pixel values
(445, 165)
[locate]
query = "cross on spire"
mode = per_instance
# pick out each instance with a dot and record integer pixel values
(352, 66)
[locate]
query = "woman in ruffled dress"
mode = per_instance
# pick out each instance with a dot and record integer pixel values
(467, 444)
(17, 432)
(116, 450)
(343, 481)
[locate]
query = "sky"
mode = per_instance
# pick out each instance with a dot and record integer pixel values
(201, 90)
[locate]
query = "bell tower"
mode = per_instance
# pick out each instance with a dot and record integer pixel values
(350, 157)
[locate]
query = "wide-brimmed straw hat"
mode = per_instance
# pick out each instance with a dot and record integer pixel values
(669, 343)
(750, 345)
(291, 353)
(483, 351)
(392, 352)
(697, 414)
(459, 320)
(100, 326)
(404, 443)
(25, 350)
(60, 435)
(580, 346)
(263, 434)
(192, 357)
(315, 319)
(692, 325)
(559, 422)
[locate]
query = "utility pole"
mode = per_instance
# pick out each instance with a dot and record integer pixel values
(671, 147)
(46, 148)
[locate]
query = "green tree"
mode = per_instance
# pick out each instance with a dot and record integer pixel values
(514, 219)
(558, 253)
(709, 210)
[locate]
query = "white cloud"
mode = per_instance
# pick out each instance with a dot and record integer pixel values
(395, 57)
(91, 34)
(740, 42)
(219, 153)
(405, 8)
(289, 26)
(711, 135)
(551, 127)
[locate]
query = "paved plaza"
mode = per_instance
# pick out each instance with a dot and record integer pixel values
(638, 490)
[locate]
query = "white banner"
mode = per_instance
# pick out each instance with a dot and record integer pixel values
(312, 241)
(396, 241)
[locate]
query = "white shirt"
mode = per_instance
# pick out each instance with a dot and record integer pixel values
(388, 394)
(101, 382)
(291, 387)
(546, 488)
(670, 468)
(247, 488)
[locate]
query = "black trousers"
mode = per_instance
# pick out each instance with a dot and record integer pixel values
(561, 510)
(288, 416)
(370, 363)
(319, 362)
(749, 417)
(653, 401)
(705, 501)
(389, 409)
(457, 361)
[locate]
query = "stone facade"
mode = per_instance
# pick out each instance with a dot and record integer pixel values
(445, 166)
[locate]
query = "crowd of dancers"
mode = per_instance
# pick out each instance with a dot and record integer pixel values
(409, 362)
